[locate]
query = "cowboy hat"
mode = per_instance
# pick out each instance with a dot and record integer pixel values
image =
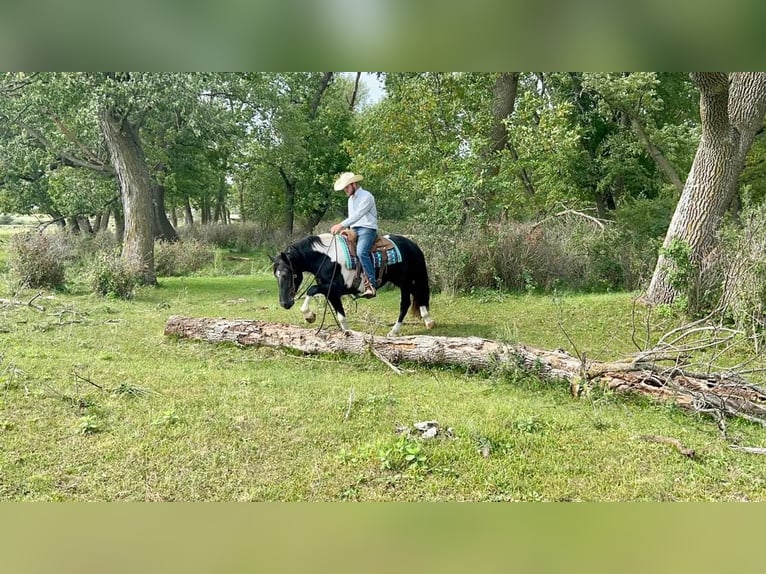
(345, 179)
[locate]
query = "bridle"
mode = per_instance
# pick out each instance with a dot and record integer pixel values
(293, 276)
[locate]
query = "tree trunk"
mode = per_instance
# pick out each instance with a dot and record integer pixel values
(73, 225)
(129, 163)
(188, 215)
(119, 225)
(84, 224)
(728, 396)
(503, 103)
(732, 108)
(504, 95)
(163, 229)
(657, 156)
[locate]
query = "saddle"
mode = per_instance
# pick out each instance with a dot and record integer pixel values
(381, 245)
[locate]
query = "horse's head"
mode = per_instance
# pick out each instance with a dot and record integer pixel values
(288, 279)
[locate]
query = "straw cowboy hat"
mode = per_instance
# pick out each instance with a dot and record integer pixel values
(345, 179)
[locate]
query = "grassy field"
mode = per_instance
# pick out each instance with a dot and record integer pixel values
(97, 404)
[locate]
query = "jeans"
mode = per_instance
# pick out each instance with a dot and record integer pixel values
(365, 237)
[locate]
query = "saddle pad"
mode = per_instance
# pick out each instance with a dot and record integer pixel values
(393, 256)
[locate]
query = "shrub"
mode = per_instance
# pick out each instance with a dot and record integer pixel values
(38, 259)
(735, 273)
(236, 236)
(113, 277)
(563, 252)
(181, 257)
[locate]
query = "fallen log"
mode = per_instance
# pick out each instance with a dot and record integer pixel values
(717, 394)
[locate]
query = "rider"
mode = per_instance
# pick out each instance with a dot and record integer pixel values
(363, 219)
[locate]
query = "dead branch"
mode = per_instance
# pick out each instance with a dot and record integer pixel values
(719, 394)
(748, 449)
(30, 303)
(351, 399)
(596, 221)
(672, 442)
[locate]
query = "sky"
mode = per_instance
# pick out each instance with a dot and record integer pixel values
(374, 86)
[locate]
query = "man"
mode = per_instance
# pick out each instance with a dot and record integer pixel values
(363, 219)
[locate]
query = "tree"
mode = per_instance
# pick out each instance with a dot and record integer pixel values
(135, 188)
(297, 127)
(53, 162)
(428, 143)
(54, 123)
(732, 108)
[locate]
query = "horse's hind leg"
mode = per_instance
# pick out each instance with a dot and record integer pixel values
(426, 317)
(404, 304)
(340, 313)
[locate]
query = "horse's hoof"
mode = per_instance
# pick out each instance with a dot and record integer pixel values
(392, 334)
(430, 324)
(310, 317)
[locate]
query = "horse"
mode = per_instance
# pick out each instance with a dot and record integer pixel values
(326, 257)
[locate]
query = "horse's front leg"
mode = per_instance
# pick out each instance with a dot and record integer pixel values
(308, 314)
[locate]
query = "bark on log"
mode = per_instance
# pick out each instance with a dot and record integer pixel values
(716, 394)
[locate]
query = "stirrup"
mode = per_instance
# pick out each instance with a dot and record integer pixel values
(369, 293)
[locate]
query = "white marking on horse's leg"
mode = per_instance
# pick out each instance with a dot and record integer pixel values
(426, 317)
(342, 321)
(394, 332)
(308, 314)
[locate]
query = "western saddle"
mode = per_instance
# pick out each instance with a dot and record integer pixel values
(381, 244)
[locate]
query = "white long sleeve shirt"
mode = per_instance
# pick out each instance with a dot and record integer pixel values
(361, 210)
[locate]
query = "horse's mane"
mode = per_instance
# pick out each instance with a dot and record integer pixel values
(305, 247)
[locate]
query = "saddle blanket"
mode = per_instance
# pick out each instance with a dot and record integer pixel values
(392, 255)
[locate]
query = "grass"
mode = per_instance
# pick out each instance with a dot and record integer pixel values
(97, 404)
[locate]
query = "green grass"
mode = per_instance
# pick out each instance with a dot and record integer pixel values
(97, 404)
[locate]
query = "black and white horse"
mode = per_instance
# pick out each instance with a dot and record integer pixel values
(326, 258)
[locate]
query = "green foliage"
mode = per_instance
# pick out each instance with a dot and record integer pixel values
(221, 423)
(181, 257)
(402, 453)
(239, 237)
(112, 276)
(90, 424)
(568, 252)
(295, 148)
(681, 269)
(37, 260)
(736, 273)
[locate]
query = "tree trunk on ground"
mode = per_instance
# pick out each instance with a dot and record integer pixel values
(129, 163)
(732, 108)
(720, 394)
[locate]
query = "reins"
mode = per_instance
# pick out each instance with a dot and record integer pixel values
(334, 242)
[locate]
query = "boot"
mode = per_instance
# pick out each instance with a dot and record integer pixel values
(369, 290)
